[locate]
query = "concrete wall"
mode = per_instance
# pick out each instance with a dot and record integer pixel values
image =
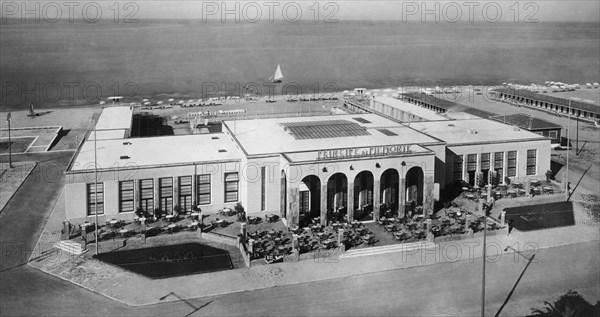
(76, 196)
(252, 184)
(351, 168)
(543, 158)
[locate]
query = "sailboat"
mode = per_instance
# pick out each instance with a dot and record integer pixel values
(278, 76)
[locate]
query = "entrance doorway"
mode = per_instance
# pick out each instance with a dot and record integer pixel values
(310, 199)
(363, 196)
(337, 197)
(414, 190)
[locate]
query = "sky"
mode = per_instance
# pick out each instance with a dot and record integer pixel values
(315, 11)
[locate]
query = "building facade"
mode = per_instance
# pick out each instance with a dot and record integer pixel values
(330, 167)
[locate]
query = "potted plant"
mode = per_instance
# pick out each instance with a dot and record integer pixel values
(141, 213)
(549, 175)
(239, 210)
(176, 211)
(157, 213)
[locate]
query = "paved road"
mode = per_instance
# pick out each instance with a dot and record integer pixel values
(442, 289)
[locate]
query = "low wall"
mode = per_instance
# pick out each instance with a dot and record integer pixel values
(220, 238)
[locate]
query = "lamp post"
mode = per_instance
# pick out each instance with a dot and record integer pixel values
(485, 213)
(568, 150)
(567, 194)
(8, 119)
(519, 279)
(96, 187)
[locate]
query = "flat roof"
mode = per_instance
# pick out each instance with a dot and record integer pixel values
(155, 151)
(525, 121)
(554, 98)
(267, 136)
(411, 108)
(448, 105)
(111, 118)
(456, 132)
(107, 134)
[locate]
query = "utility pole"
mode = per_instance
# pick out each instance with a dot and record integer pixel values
(577, 138)
(96, 186)
(8, 119)
(485, 214)
(568, 150)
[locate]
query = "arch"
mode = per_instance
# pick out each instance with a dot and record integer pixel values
(283, 197)
(363, 196)
(337, 196)
(310, 197)
(414, 186)
(389, 191)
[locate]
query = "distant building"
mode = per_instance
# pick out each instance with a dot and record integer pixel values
(441, 105)
(581, 110)
(533, 124)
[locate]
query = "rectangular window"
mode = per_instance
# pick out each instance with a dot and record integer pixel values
(553, 134)
(263, 188)
(458, 168)
(512, 164)
(126, 196)
(471, 162)
(203, 183)
(485, 161)
(531, 162)
(231, 187)
(185, 193)
(499, 164)
(147, 194)
(166, 194)
(304, 201)
(92, 195)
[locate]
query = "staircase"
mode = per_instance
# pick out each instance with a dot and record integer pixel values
(388, 249)
(70, 246)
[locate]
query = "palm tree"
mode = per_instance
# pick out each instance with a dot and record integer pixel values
(569, 305)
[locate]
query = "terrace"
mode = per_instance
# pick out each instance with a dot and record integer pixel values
(265, 239)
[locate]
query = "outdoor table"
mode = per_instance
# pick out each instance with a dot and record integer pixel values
(123, 231)
(548, 189)
(517, 185)
(465, 189)
(169, 217)
(366, 237)
(470, 196)
(113, 222)
(194, 223)
(171, 226)
(512, 193)
(220, 221)
(142, 219)
(195, 215)
(537, 190)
